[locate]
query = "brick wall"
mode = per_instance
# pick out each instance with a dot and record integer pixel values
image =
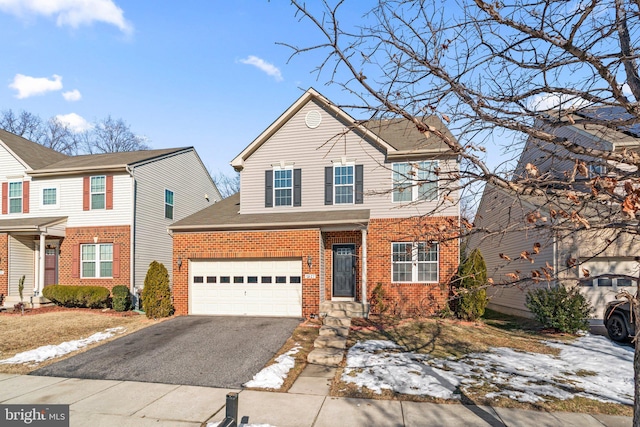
(113, 234)
(4, 257)
(412, 298)
(248, 244)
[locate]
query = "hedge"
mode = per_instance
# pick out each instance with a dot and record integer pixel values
(77, 296)
(121, 300)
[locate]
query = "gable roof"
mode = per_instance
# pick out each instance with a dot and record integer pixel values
(103, 162)
(225, 215)
(403, 137)
(31, 154)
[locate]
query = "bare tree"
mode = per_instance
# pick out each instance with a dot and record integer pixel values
(24, 124)
(502, 74)
(113, 136)
(58, 136)
(228, 185)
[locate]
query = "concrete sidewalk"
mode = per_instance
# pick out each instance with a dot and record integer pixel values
(110, 403)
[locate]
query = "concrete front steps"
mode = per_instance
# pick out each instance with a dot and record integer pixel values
(330, 345)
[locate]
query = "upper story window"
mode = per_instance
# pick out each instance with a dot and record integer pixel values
(97, 260)
(283, 187)
(168, 204)
(415, 181)
(50, 197)
(597, 170)
(15, 197)
(343, 183)
(98, 192)
(414, 262)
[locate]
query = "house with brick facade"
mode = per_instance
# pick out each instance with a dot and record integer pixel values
(329, 209)
(93, 219)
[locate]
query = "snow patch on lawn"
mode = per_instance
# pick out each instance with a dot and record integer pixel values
(273, 375)
(47, 352)
(590, 366)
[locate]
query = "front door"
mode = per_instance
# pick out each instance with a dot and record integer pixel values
(344, 271)
(50, 265)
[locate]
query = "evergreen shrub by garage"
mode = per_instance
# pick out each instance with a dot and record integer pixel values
(561, 308)
(156, 295)
(121, 299)
(77, 296)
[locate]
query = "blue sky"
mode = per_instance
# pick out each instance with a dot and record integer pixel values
(207, 74)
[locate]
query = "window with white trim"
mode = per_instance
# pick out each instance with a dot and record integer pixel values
(15, 197)
(98, 192)
(50, 197)
(343, 182)
(168, 204)
(96, 260)
(415, 181)
(414, 262)
(283, 187)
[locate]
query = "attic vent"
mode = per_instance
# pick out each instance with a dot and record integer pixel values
(313, 119)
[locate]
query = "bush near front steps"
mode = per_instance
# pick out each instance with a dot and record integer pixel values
(121, 299)
(77, 296)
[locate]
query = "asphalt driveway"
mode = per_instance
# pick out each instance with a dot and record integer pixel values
(189, 350)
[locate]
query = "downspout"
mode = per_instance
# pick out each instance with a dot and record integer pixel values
(364, 269)
(132, 234)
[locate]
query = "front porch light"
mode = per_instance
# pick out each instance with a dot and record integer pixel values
(309, 261)
(179, 262)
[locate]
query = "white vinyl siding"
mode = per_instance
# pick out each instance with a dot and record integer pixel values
(185, 175)
(9, 166)
(308, 150)
(22, 263)
(96, 261)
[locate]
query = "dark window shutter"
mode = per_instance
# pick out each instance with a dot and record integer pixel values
(109, 195)
(297, 187)
(116, 261)
(75, 261)
(328, 185)
(359, 184)
(86, 199)
(5, 197)
(25, 197)
(268, 188)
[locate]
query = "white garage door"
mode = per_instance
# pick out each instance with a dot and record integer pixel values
(600, 291)
(266, 287)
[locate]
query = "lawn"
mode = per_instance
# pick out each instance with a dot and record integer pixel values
(499, 361)
(23, 333)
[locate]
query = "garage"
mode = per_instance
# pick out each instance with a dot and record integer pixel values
(600, 290)
(246, 287)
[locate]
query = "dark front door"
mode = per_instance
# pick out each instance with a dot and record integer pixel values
(50, 266)
(344, 271)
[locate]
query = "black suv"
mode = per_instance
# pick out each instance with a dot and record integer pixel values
(618, 320)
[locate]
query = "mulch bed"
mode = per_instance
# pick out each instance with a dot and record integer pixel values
(55, 308)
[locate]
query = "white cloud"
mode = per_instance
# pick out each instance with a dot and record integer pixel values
(72, 95)
(73, 13)
(263, 65)
(75, 122)
(549, 101)
(30, 86)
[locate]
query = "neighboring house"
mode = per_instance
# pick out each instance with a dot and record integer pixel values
(328, 209)
(574, 257)
(91, 220)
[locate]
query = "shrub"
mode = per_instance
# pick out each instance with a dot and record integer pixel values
(377, 302)
(121, 299)
(565, 310)
(156, 294)
(469, 287)
(77, 296)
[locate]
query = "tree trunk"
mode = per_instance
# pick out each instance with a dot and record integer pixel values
(636, 363)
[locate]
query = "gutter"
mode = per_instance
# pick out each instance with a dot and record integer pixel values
(358, 222)
(132, 233)
(77, 171)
